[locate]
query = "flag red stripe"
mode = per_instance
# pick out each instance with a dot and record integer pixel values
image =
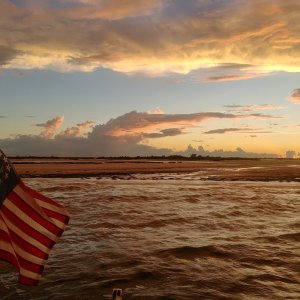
(23, 235)
(26, 228)
(25, 218)
(38, 206)
(30, 224)
(55, 215)
(9, 258)
(39, 200)
(37, 195)
(26, 268)
(30, 266)
(28, 281)
(22, 205)
(8, 245)
(27, 246)
(4, 236)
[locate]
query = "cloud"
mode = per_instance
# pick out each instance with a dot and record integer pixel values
(153, 37)
(232, 77)
(164, 133)
(253, 107)
(238, 152)
(111, 9)
(50, 127)
(238, 130)
(119, 136)
(134, 124)
(223, 130)
(77, 131)
(295, 96)
(157, 110)
(227, 66)
(198, 141)
(7, 54)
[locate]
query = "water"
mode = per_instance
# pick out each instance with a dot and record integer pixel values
(170, 237)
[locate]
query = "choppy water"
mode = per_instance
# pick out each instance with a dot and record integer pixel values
(172, 238)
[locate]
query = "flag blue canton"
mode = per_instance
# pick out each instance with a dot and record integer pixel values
(8, 177)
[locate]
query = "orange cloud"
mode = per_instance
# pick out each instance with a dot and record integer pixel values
(153, 37)
(78, 130)
(138, 124)
(123, 135)
(50, 127)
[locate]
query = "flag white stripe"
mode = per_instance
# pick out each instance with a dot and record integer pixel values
(52, 207)
(14, 249)
(24, 254)
(3, 227)
(7, 247)
(29, 221)
(24, 235)
(29, 274)
(29, 257)
(37, 205)
(30, 201)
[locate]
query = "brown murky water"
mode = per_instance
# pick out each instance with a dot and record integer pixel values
(170, 237)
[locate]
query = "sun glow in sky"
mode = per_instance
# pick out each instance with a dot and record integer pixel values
(120, 77)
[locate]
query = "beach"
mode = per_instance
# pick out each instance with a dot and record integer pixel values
(227, 170)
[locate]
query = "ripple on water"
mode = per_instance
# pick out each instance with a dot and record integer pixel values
(176, 238)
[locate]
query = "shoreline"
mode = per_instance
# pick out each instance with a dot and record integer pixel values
(224, 170)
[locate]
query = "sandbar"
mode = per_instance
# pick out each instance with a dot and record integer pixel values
(233, 170)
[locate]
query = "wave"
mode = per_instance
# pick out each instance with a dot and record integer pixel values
(291, 236)
(189, 252)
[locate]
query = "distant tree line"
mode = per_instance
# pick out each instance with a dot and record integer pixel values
(192, 157)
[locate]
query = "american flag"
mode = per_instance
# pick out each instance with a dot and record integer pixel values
(30, 224)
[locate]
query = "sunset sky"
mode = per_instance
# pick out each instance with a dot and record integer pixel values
(141, 77)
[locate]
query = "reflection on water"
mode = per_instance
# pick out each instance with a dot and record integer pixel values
(170, 239)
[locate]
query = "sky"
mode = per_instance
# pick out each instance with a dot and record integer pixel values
(159, 77)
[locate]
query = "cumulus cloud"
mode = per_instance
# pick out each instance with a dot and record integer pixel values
(50, 127)
(238, 152)
(157, 110)
(119, 136)
(78, 130)
(152, 37)
(295, 96)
